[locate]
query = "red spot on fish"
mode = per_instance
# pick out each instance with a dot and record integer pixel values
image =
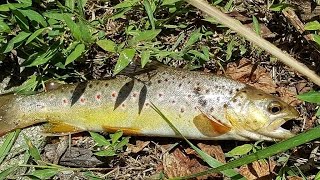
(98, 96)
(65, 101)
(134, 94)
(114, 94)
(82, 100)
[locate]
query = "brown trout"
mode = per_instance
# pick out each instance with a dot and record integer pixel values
(200, 105)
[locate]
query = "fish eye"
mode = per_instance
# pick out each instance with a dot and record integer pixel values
(274, 107)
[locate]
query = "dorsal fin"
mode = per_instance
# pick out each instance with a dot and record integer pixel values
(134, 68)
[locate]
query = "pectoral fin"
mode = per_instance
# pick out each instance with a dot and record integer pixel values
(209, 126)
(60, 129)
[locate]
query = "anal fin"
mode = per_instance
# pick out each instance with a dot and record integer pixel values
(58, 128)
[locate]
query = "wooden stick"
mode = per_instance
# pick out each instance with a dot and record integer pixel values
(254, 38)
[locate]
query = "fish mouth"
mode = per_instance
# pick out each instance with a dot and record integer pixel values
(275, 130)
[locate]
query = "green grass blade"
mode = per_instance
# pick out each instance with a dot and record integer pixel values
(265, 153)
(8, 143)
(4, 174)
(210, 160)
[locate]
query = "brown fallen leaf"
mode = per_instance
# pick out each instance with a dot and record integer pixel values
(294, 178)
(214, 151)
(258, 77)
(252, 74)
(177, 164)
(258, 170)
(139, 146)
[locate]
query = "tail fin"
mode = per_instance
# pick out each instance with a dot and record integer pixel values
(7, 122)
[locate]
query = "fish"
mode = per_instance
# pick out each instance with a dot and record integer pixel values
(200, 105)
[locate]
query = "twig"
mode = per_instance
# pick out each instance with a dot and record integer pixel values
(254, 38)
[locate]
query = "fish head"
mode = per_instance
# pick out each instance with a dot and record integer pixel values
(259, 115)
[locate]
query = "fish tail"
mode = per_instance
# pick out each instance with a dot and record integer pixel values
(7, 122)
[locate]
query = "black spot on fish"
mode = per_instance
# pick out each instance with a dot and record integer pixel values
(184, 76)
(244, 91)
(90, 86)
(106, 84)
(180, 85)
(97, 83)
(198, 83)
(211, 109)
(230, 92)
(182, 110)
(225, 105)
(160, 94)
(234, 100)
(259, 94)
(207, 90)
(202, 102)
(166, 79)
(159, 81)
(237, 89)
(197, 90)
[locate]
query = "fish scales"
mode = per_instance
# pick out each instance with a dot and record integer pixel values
(200, 105)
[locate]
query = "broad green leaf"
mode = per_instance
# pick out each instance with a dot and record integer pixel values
(316, 38)
(76, 53)
(99, 139)
(124, 59)
(150, 12)
(169, 2)
(41, 58)
(108, 152)
(256, 25)
(124, 141)
(278, 7)
(317, 177)
(199, 54)
(116, 136)
(230, 49)
(91, 176)
(194, 37)
(6, 146)
(13, 6)
(107, 45)
(70, 4)
(240, 150)
(56, 15)
(126, 3)
(4, 174)
(145, 57)
(34, 16)
(28, 85)
(4, 27)
(18, 38)
(34, 152)
(35, 34)
(313, 25)
(210, 160)
(21, 20)
(86, 35)
(318, 112)
(44, 173)
(312, 96)
(147, 35)
(74, 28)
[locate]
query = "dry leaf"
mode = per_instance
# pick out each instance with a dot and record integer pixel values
(177, 164)
(294, 178)
(251, 74)
(214, 151)
(260, 169)
(139, 146)
(258, 77)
